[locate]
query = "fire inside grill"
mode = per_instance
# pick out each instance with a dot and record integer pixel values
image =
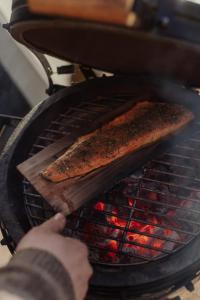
(137, 219)
(148, 215)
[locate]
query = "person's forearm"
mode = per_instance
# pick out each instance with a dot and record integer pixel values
(35, 275)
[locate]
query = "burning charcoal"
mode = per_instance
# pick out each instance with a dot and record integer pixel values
(131, 188)
(137, 250)
(116, 233)
(130, 191)
(171, 245)
(161, 243)
(157, 240)
(137, 175)
(109, 254)
(171, 200)
(99, 206)
(162, 210)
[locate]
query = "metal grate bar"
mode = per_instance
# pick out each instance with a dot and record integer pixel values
(165, 227)
(75, 118)
(183, 156)
(157, 214)
(38, 146)
(135, 231)
(127, 227)
(173, 174)
(141, 257)
(38, 207)
(32, 195)
(194, 140)
(84, 110)
(172, 184)
(148, 223)
(70, 122)
(166, 205)
(97, 104)
(178, 197)
(190, 222)
(112, 101)
(53, 131)
(48, 139)
(38, 218)
(58, 123)
(184, 147)
(165, 251)
(96, 109)
(171, 164)
(26, 182)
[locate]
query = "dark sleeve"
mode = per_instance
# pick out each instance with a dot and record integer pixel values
(36, 275)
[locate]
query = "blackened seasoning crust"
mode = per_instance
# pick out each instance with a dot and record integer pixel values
(145, 123)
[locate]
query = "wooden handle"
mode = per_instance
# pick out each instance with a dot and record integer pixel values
(106, 11)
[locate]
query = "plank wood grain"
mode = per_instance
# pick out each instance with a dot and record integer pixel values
(69, 195)
(108, 11)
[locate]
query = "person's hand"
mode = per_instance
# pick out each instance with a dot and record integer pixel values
(72, 253)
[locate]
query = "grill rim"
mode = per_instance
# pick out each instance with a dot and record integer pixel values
(126, 276)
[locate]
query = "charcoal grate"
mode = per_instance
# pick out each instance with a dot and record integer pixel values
(146, 216)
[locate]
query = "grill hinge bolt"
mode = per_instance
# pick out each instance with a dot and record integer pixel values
(6, 26)
(190, 286)
(3, 242)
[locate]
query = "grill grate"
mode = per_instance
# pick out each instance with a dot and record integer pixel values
(146, 216)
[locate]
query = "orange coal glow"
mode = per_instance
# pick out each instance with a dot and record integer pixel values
(138, 236)
(100, 206)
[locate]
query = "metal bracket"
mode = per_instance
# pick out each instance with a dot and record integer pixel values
(68, 69)
(53, 88)
(88, 72)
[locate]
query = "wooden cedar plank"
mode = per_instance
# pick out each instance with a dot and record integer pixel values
(70, 195)
(109, 11)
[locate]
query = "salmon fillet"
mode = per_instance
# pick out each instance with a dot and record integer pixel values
(146, 122)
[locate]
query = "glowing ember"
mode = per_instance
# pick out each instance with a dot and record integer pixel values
(135, 232)
(140, 239)
(99, 206)
(134, 223)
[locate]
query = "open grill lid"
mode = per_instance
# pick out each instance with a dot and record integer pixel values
(166, 44)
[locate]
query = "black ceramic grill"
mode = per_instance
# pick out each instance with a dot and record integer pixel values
(143, 229)
(148, 215)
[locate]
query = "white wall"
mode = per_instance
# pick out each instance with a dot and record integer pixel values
(22, 65)
(5, 6)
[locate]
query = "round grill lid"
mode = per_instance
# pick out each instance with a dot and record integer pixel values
(166, 46)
